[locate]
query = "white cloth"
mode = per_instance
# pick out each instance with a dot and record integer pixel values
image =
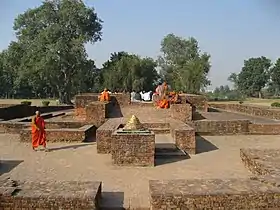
(146, 96)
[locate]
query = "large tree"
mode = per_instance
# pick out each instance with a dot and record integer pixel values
(183, 65)
(275, 77)
(254, 75)
(127, 72)
(53, 37)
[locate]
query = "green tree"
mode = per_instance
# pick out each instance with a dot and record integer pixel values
(254, 75)
(275, 77)
(183, 65)
(53, 36)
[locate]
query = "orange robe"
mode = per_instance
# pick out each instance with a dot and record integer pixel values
(163, 104)
(105, 96)
(38, 132)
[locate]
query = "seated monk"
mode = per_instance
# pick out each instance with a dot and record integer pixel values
(163, 104)
(175, 99)
(105, 96)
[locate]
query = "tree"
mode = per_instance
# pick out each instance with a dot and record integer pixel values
(53, 36)
(183, 65)
(127, 72)
(275, 77)
(254, 75)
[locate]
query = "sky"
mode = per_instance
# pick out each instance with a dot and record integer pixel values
(231, 31)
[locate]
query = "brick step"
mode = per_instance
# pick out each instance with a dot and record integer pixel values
(168, 151)
(160, 130)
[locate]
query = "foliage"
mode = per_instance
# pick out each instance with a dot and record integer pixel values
(45, 103)
(26, 103)
(275, 104)
(183, 66)
(224, 93)
(275, 78)
(127, 72)
(241, 102)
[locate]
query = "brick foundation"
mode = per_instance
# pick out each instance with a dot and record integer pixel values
(215, 194)
(222, 127)
(264, 129)
(62, 135)
(133, 149)
(50, 195)
(182, 112)
(184, 136)
(96, 112)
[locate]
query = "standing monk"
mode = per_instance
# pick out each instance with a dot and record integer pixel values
(105, 96)
(38, 132)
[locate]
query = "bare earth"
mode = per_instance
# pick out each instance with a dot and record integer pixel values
(218, 158)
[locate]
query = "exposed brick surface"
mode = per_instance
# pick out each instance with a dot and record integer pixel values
(213, 194)
(182, 112)
(62, 135)
(104, 135)
(184, 136)
(96, 112)
(64, 124)
(12, 127)
(49, 195)
(264, 129)
(133, 149)
(198, 101)
(250, 110)
(222, 127)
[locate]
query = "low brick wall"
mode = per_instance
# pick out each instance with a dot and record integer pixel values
(264, 129)
(104, 135)
(215, 194)
(12, 127)
(50, 195)
(261, 161)
(62, 135)
(198, 101)
(250, 110)
(133, 149)
(184, 136)
(64, 124)
(182, 112)
(222, 127)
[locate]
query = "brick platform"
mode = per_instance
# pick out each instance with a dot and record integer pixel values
(96, 112)
(62, 135)
(184, 136)
(264, 129)
(49, 195)
(213, 194)
(132, 149)
(222, 127)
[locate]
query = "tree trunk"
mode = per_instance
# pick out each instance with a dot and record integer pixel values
(260, 94)
(64, 98)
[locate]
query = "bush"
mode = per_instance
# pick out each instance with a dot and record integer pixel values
(45, 103)
(241, 102)
(26, 103)
(275, 104)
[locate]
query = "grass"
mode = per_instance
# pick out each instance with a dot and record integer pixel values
(35, 102)
(253, 101)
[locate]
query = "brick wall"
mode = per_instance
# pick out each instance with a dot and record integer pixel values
(50, 195)
(12, 127)
(215, 194)
(264, 129)
(222, 127)
(182, 112)
(250, 110)
(133, 149)
(199, 101)
(184, 136)
(96, 112)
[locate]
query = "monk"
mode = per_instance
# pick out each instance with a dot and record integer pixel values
(38, 132)
(163, 104)
(105, 96)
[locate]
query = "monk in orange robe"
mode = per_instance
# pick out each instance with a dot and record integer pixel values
(105, 96)
(163, 104)
(38, 132)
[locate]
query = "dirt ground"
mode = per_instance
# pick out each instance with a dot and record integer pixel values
(218, 157)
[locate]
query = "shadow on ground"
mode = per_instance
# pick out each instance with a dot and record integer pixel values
(76, 146)
(203, 145)
(7, 165)
(112, 200)
(198, 116)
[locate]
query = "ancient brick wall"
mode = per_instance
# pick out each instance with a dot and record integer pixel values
(182, 112)
(222, 127)
(50, 195)
(198, 101)
(272, 113)
(12, 127)
(133, 149)
(264, 129)
(215, 194)
(184, 136)
(96, 112)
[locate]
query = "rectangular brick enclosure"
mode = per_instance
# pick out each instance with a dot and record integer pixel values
(183, 134)
(133, 149)
(50, 195)
(214, 194)
(79, 134)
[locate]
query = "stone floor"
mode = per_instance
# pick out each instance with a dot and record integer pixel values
(218, 157)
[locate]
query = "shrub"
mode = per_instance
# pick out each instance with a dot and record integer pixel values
(45, 103)
(275, 104)
(26, 103)
(241, 102)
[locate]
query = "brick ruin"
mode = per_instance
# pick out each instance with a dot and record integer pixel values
(97, 120)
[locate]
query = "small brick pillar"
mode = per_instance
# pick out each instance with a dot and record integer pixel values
(96, 112)
(182, 112)
(133, 149)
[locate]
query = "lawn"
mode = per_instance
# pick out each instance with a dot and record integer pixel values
(253, 101)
